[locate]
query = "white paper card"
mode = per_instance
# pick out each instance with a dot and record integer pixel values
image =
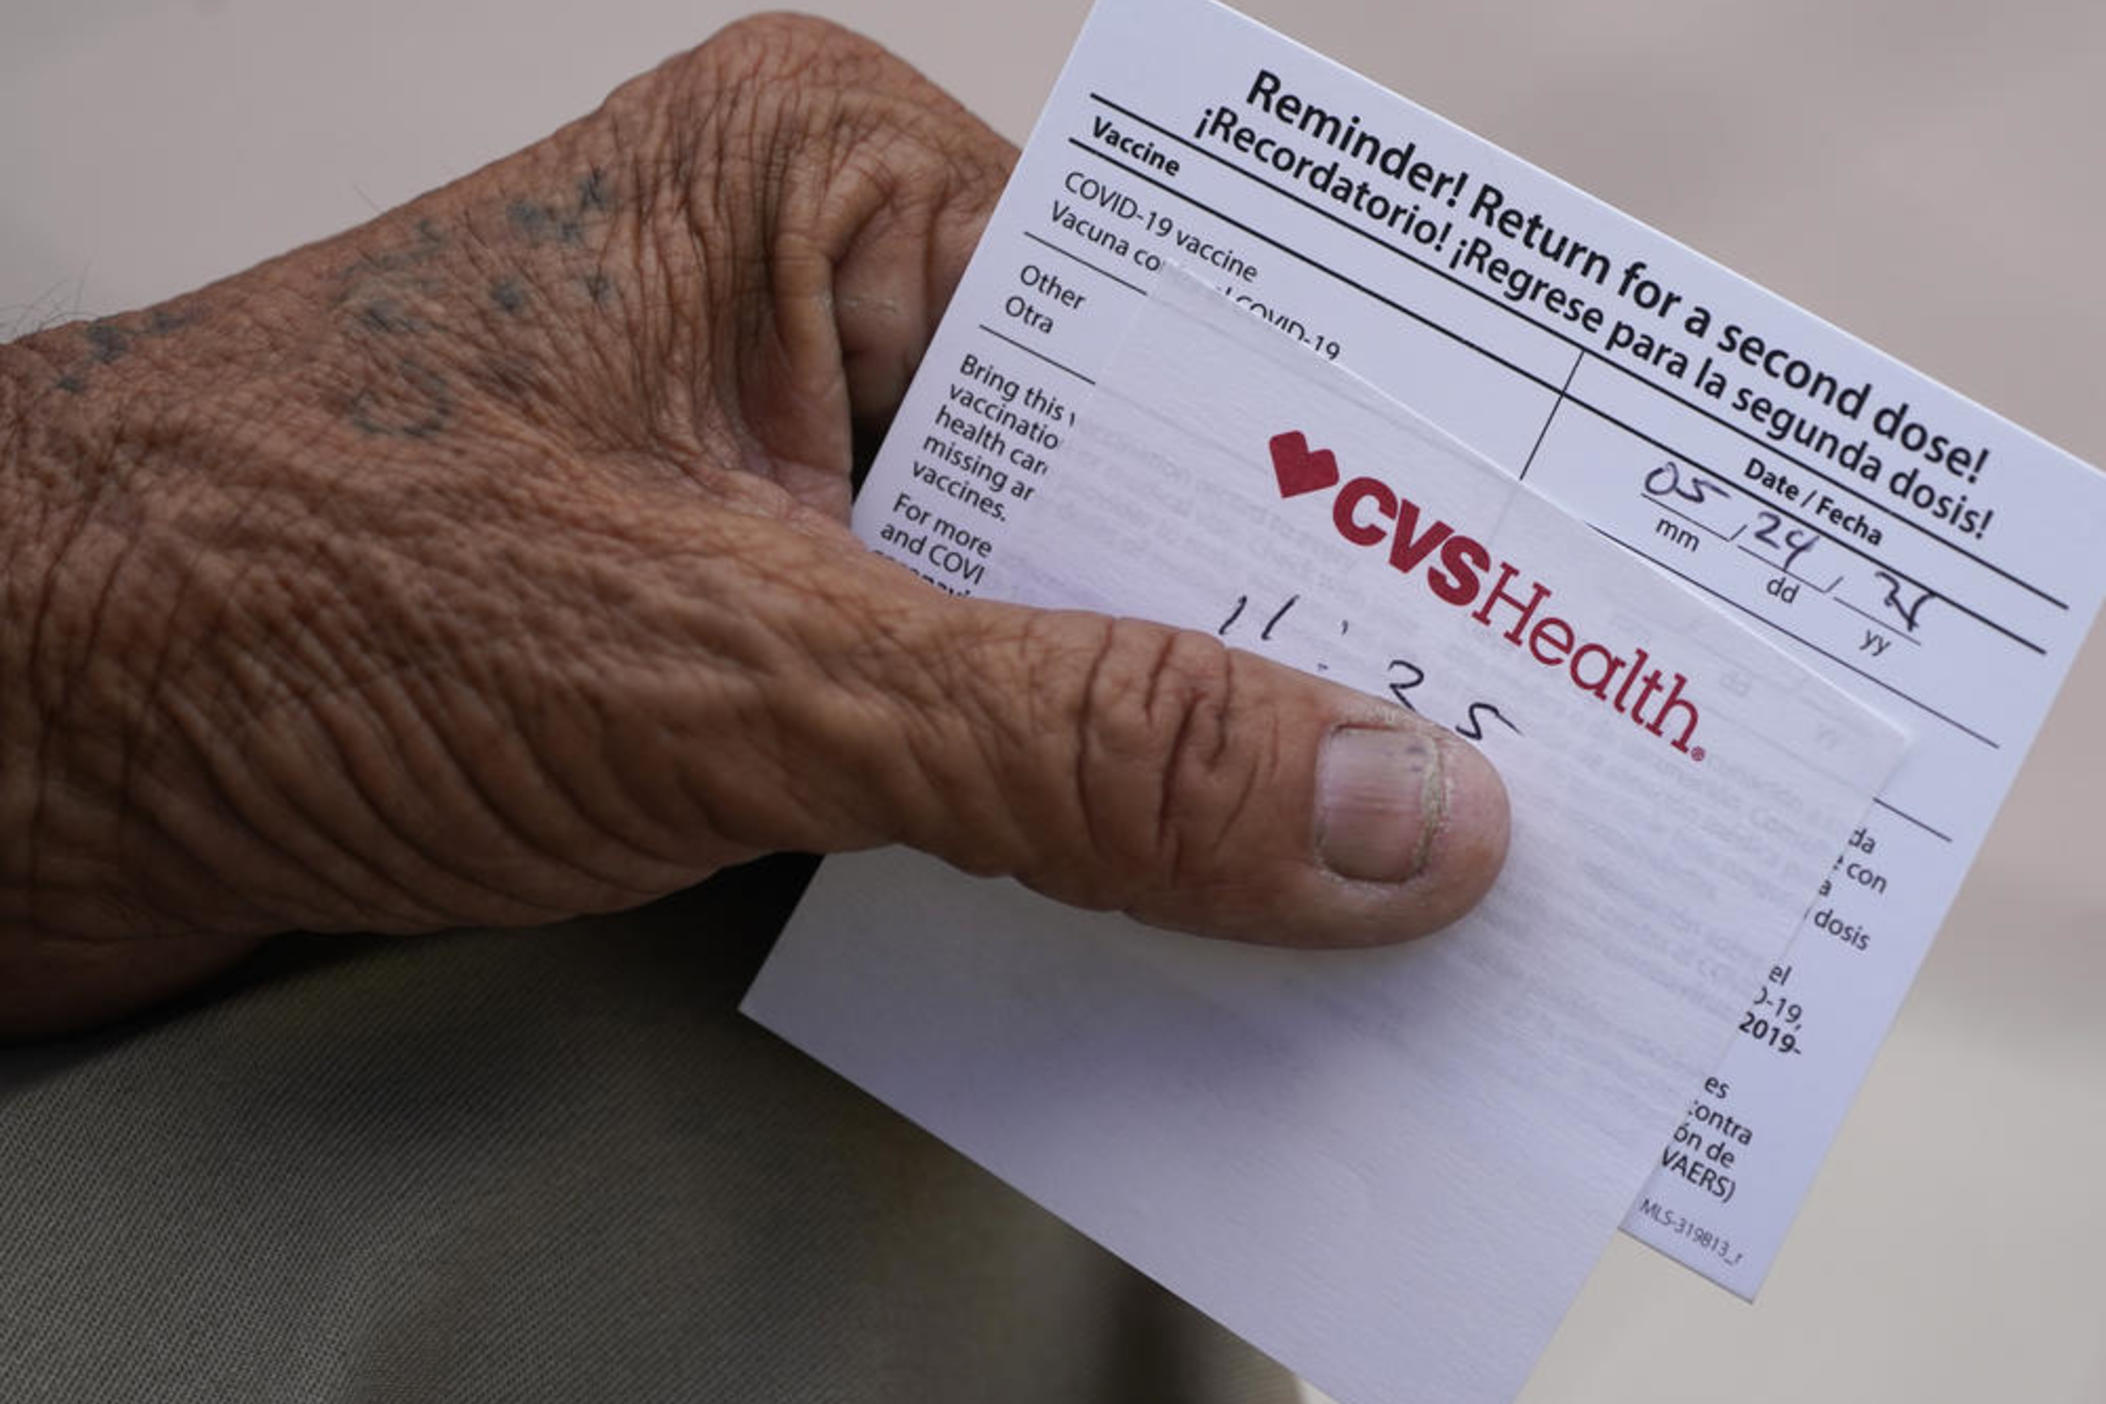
(1930, 558)
(1390, 1169)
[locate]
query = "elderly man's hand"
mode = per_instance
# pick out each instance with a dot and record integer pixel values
(488, 564)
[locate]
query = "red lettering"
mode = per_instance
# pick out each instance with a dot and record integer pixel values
(1649, 684)
(1628, 678)
(1553, 633)
(1600, 686)
(1500, 596)
(1461, 558)
(1411, 546)
(1674, 700)
(1349, 498)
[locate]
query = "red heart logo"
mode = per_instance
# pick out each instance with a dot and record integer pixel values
(1298, 468)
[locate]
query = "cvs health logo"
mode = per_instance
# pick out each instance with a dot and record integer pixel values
(1458, 569)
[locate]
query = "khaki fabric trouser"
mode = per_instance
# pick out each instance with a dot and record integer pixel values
(527, 1166)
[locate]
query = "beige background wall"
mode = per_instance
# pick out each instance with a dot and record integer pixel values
(1928, 175)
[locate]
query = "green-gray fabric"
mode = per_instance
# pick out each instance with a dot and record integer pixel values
(551, 1165)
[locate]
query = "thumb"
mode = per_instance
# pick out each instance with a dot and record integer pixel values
(1123, 765)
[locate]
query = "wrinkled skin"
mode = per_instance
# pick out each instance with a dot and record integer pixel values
(488, 564)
